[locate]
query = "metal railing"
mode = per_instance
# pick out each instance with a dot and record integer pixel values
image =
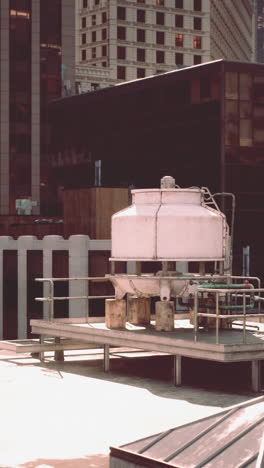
(51, 298)
(248, 299)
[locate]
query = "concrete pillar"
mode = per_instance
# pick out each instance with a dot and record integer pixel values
(78, 268)
(115, 313)
(164, 315)
(24, 243)
(49, 243)
(256, 375)
(35, 106)
(5, 244)
(139, 310)
(177, 370)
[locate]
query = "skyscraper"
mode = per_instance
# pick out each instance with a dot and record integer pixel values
(37, 52)
(125, 40)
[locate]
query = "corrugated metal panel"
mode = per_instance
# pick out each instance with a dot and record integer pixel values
(230, 438)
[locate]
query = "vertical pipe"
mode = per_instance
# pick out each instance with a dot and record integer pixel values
(255, 376)
(196, 316)
(177, 361)
(217, 318)
(244, 318)
(106, 358)
(51, 300)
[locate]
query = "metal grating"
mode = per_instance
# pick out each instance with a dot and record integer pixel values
(229, 438)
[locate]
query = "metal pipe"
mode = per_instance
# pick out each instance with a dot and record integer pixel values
(217, 318)
(51, 300)
(244, 319)
(196, 327)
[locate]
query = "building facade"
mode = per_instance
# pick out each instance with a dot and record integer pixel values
(259, 31)
(37, 52)
(123, 40)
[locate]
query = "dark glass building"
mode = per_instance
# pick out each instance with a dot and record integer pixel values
(37, 42)
(203, 125)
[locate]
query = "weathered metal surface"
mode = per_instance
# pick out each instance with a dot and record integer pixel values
(231, 438)
(171, 224)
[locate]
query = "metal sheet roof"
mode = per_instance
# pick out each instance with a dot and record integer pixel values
(231, 438)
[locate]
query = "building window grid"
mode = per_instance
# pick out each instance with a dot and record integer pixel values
(121, 13)
(121, 72)
(121, 33)
(160, 56)
(179, 40)
(178, 58)
(141, 35)
(179, 21)
(197, 42)
(197, 23)
(160, 18)
(179, 4)
(141, 16)
(141, 55)
(121, 53)
(160, 37)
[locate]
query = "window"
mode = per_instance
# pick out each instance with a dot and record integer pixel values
(103, 64)
(205, 87)
(85, 3)
(160, 2)
(121, 73)
(160, 56)
(141, 55)
(93, 36)
(141, 72)
(104, 51)
(83, 54)
(179, 21)
(104, 17)
(84, 22)
(179, 58)
(141, 16)
(96, 2)
(93, 52)
(121, 53)
(121, 33)
(197, 42)
(197, 59)
(160, 17)
(178, 3)
(197, 23)
(141, 35)
(141, 1)
(160, 37)
(93, 20)
(95, 86)
(179, 40)
(121, 13)
(84, 38)
(104, 34)
(197, 5)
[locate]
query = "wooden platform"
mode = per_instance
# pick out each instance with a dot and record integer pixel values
(179, 342)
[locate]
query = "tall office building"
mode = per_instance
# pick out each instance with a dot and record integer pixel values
(259, 31)
(37, 63)
(120, 40)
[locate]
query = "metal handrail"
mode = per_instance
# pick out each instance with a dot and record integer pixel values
(51, 298)
(244, 293)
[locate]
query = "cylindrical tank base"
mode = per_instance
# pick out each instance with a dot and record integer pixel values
(139, 310)
(115, 313)
(164, 315)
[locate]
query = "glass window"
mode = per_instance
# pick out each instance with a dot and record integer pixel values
(197, 5)
(160, 2)
(96, 2)
(93, 36)
(141, 16)
(84, 38)
(197, 59)
(160, 56)
(104, 34)
(141, 1)
(104, 51)
(160, 37)
(160, 18)
(121, 33)
(197, 23)
(121, 72)
(141, 72)
(245, 86)
(197, 42)
(179, 21)
(93, 20)
(121, 53)
(93, 52)
(83, 22)
(179, 58)
(178, 3)
(141, 55)
(104, 17)
(245, 132)
(231, 85)
(141, 35)
(103, 64)
(85, 3)
(179, 40)
(245, 109)
(121, 13)
(83, 54)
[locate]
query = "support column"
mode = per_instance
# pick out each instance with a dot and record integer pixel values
(49, 244)
(59, 354)
(139, 310)
(164, 315)
(78, 268)
(24, 243)
(106, 358)
(177, 370)
(115, 313)
(256, 375)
